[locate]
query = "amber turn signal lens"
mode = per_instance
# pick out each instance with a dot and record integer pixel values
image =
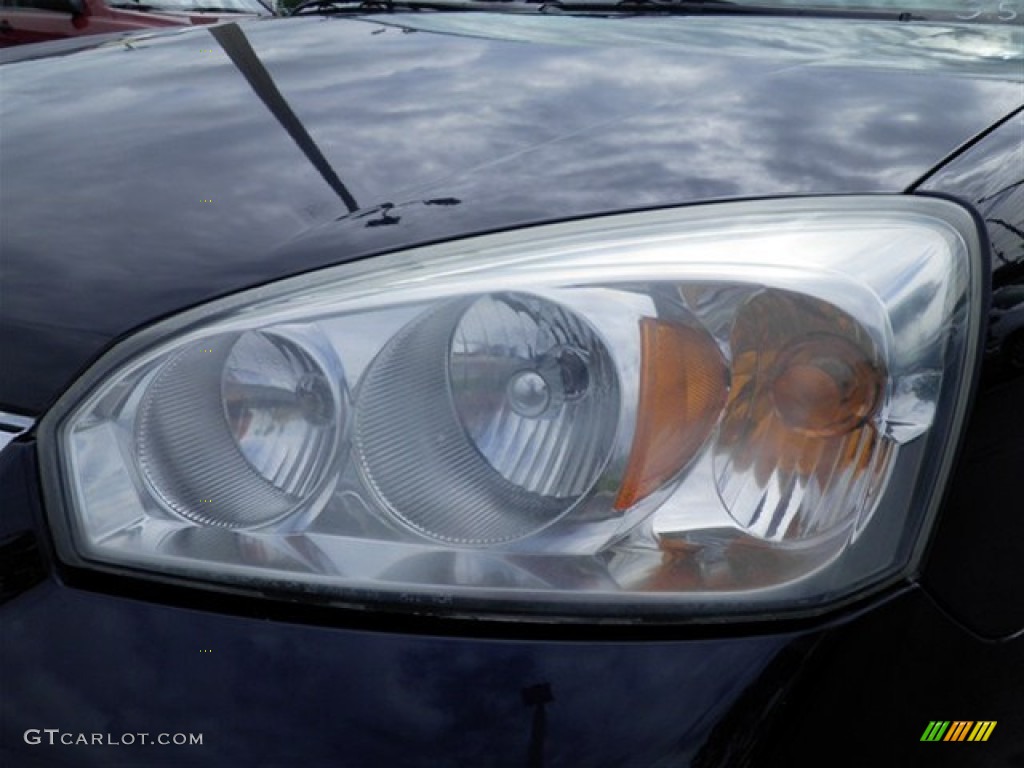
(683, 387)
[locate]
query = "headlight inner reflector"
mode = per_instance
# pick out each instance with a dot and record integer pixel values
(239, 431)
(510, 399)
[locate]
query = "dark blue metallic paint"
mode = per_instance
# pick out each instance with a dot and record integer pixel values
(976, 568)
(289, 695)
(116, 237)
(629, 116)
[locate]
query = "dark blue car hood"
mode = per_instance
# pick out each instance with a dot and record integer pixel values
(144, 175)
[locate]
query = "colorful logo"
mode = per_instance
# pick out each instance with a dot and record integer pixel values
(958, 730)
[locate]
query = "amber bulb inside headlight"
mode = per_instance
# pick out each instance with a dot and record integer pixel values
(826, 385)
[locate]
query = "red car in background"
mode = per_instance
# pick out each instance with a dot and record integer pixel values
(34, 21)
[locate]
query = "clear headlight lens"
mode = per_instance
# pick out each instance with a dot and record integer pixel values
(249, 419)
(509, 400)
(721, 410)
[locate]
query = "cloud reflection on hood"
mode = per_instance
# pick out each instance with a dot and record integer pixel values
(661, 112)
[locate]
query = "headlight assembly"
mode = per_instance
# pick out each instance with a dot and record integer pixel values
(721, 411)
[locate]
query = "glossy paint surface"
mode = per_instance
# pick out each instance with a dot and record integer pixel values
(976, 567)
(167, 181)
(104, 230)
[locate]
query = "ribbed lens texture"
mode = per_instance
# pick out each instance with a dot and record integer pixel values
(237, 431)
(486, 420)
(797, 454)
(281, 410)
